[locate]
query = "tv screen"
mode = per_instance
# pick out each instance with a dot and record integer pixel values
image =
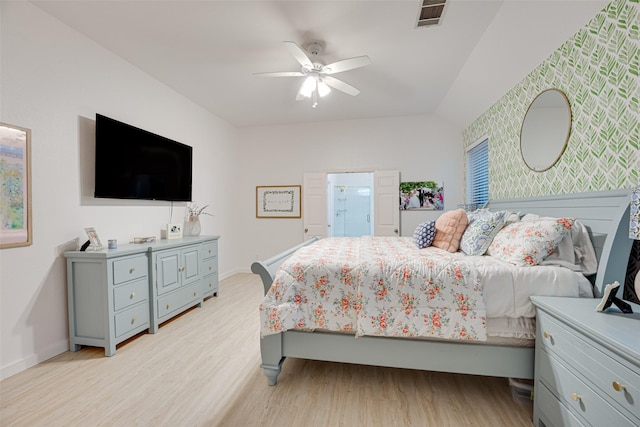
(132, 163)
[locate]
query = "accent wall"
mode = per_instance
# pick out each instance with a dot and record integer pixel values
(598, 70)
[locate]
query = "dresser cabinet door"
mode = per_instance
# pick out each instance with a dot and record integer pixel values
(168, 271)
(190, 265)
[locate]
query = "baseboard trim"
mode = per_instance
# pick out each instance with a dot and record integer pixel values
(33, 360)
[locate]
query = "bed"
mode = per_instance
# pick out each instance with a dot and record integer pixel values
(604, 214)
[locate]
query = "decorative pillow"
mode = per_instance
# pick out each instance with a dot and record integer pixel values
(575, 251)
(529, 242)
(449, 228)
(424, 234)
(483, 226)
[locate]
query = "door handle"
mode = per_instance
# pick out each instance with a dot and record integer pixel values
(395, 230)
(306, 230)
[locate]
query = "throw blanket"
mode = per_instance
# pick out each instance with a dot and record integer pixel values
(379, 286)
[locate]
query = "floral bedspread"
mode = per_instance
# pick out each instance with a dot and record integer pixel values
(379, 286)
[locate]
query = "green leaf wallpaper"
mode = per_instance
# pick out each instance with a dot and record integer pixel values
(598, 70)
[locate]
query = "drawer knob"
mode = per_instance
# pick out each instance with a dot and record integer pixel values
(210, 285)
(195, 293)
(209, 250)
(133, 294)
(168, 305)
(131, 270)
(617, 386)
(210, 268)
(575, 396)
(181, 269)
(133, 320)
(547, 334)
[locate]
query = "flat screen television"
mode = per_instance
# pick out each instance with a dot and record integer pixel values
(132, 163)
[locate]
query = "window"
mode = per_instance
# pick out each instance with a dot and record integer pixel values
(478, 172)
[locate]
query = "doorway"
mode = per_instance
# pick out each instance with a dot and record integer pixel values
(350, 204)
(384, 212)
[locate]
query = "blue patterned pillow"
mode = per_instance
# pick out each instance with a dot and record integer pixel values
(424, 234)
(483, 227)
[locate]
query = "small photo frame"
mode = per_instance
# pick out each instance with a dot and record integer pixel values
(281, 201)
(174, 231)
(94, 240)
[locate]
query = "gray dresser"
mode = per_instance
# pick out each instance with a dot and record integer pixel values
(114, 294)
(587, 364)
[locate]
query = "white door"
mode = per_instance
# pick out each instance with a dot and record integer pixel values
(314, 209)
(386, 191)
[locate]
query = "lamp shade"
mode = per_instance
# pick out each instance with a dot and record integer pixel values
(634, 209)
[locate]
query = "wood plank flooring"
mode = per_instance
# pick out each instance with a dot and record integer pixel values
(202, 369)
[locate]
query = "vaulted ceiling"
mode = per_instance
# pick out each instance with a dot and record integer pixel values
(208, 50)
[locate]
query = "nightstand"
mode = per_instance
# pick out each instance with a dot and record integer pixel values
(587, 364)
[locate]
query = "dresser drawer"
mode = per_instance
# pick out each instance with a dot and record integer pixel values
(604, 371)
(130, 293)
(131, 319)
(575, 394)
(554, 338)
(209, 266)
(552, 412)
(178, 299)
(210, 283)
(209, 249)
(129, 269)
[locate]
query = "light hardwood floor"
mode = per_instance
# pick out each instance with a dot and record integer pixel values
(202, 369)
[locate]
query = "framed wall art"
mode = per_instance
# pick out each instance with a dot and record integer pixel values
(281, 201)
(15, 192)
(421, 195)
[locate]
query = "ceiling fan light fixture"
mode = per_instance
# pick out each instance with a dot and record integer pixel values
(323, 89)
(319, 78)
(308, 87)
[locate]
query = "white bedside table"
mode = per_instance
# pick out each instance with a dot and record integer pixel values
(587, 364)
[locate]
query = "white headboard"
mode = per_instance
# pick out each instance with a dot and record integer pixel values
(604, 213)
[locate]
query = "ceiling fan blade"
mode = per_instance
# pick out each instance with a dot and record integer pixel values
(340, 85)
(346, 64)
(280, 74)
(299, 54)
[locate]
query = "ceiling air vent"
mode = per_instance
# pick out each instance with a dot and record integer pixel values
(430, 13)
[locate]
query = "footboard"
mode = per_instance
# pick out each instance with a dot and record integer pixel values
(267, 269)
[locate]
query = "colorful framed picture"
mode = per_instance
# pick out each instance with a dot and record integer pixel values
(15, 192)
(281, 201)
(421, 195)
(94, 240)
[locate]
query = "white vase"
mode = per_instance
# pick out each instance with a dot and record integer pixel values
(192, 226)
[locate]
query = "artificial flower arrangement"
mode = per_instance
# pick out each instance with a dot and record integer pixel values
(193, 210)
(192, 219)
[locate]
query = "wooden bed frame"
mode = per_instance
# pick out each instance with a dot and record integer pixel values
(604, 213)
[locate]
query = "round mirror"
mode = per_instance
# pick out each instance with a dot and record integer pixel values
(545, 130)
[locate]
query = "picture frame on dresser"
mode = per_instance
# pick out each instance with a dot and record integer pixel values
(15, 199)
(94, 240)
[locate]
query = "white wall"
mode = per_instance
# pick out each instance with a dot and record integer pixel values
(53, 82)
(421, 147)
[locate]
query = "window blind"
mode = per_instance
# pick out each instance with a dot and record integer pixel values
(478, 173)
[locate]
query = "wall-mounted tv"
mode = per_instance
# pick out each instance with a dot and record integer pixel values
(132, 163)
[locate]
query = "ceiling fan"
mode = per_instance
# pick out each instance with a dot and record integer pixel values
(318, 81)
